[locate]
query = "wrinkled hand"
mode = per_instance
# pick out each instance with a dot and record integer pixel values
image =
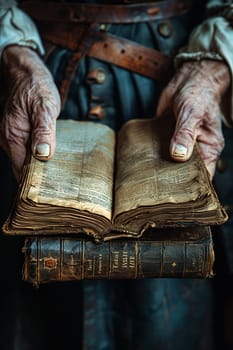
(31, 107)
(194, 96)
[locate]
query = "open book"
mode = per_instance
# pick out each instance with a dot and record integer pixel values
(110, 186)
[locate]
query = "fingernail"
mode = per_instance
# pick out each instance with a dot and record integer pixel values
(43, 150)
(179, 151)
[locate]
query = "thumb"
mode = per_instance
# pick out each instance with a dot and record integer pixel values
(43, 137)
(184, 137)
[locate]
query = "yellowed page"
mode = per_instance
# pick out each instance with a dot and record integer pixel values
(80, 174)
(147, 176)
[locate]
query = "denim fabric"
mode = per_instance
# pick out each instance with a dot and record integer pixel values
(145, 314)
(155, 314)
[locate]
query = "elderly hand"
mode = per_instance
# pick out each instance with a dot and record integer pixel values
(194, 96)
(31, 108)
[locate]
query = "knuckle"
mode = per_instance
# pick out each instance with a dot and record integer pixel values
(184, 131)
(47, 104)
(44, 123)
(14, 130)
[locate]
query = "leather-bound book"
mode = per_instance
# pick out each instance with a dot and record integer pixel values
(184, 253)
(110, 185)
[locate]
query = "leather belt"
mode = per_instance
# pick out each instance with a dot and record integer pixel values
(107, 47)
(105, 13)
(74, 26)
(122, 52)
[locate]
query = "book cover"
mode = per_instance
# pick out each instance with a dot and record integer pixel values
(182, 253)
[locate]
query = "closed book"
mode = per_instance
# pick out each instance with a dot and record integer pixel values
(184, 253)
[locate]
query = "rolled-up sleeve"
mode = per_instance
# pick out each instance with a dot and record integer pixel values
(17, 28)
(213, 39)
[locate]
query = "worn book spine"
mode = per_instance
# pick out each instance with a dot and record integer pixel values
(62, 259)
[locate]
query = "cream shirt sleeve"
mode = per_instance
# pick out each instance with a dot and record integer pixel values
(213, 39)
(17, 28)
